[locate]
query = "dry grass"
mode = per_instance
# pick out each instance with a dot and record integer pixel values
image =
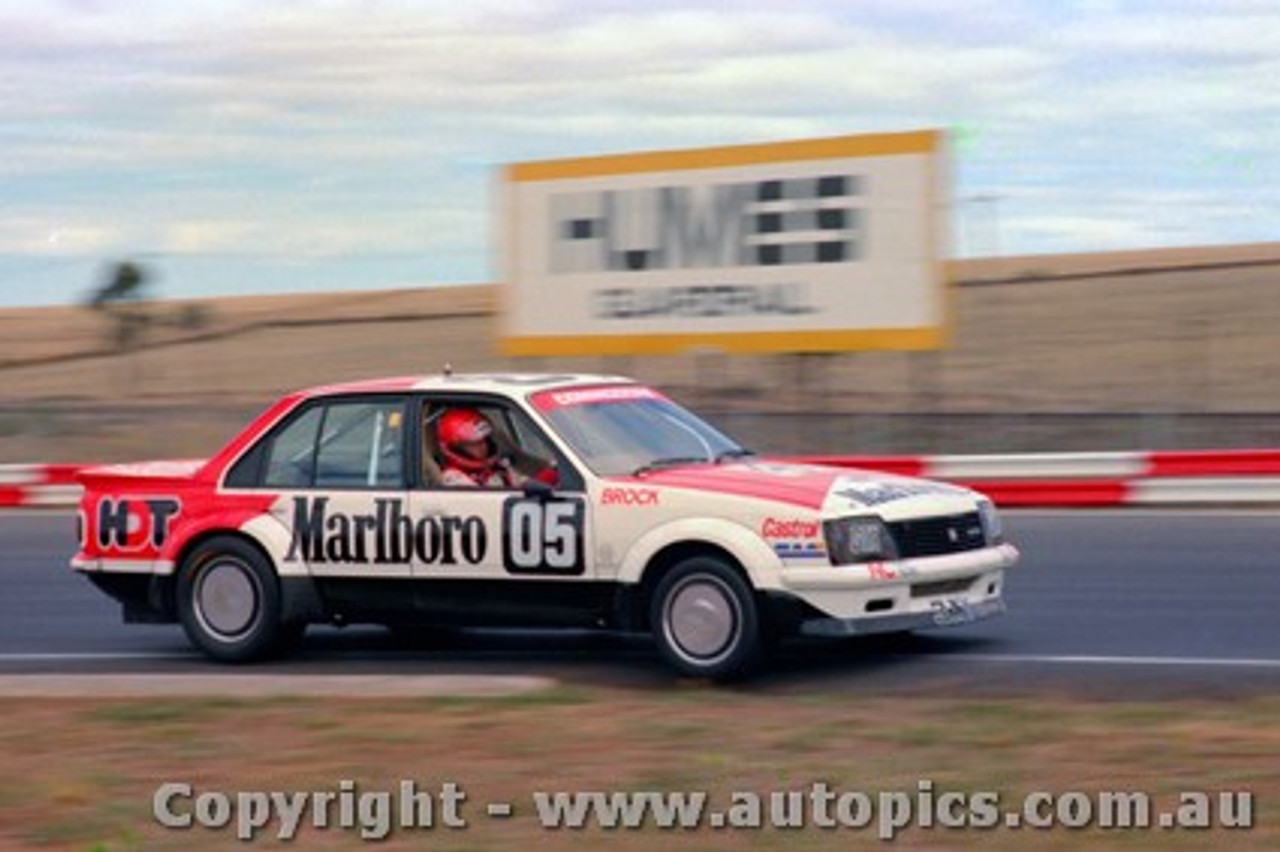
(1194, 332)
(80, 774)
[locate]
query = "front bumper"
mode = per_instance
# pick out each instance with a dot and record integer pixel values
(947, 614)
(890, 597)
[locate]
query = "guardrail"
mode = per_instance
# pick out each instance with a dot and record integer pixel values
(38, 485)
(1230, 477)
(1213, 477)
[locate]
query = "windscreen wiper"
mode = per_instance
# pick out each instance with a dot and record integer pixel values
(670, 461)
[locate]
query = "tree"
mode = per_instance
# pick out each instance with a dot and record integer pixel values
(120, 297)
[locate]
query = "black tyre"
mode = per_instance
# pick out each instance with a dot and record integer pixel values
(228, 599)
(703, 616)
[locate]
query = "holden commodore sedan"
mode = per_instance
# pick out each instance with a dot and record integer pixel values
(529, 500)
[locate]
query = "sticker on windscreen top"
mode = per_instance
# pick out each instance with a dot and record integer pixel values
(551, 400)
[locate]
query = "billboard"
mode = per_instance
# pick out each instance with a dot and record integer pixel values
(806, 246)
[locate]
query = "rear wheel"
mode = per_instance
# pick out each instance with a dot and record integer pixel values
(228, 600)
(704, 618)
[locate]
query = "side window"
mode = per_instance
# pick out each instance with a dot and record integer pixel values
(538, 451)
(361, 445)
(291, 460)
(526, 436)
(515, 438)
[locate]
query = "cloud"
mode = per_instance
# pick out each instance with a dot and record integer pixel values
(318, 129)
(49, 236)
(1167, 34)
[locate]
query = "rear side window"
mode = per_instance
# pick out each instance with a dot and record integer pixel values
(361, 446)
(291, 460)
(341, 444)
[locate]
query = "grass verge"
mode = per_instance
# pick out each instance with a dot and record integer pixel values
(80, 773)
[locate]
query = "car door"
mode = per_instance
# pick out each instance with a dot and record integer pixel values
(340, 466)
(502, 554)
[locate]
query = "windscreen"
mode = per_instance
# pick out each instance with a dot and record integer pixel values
(626, 429)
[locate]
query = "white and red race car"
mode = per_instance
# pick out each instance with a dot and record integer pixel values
(617, 508)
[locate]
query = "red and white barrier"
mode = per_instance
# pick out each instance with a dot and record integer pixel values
(1212, 477)
(38, 485)
(1216, 477)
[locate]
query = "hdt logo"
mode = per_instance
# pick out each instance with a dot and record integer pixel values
(125, 524)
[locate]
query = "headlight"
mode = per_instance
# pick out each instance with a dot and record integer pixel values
(991, 525)
(854, 540)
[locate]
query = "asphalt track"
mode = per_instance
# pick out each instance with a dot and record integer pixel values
(1105, 604)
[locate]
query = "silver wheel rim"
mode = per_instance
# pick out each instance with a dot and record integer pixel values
(702, 619)
(227, 596)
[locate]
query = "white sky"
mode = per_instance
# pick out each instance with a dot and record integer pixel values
(244, 147)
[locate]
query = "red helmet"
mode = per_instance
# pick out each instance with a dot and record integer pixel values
(464, 426)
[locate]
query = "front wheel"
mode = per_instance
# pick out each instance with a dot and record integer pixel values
(703, 615)
(228, 599)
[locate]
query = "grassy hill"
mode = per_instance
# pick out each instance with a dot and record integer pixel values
(1107, 349)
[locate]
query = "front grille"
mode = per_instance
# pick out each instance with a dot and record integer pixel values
(937, 536)
(941, 587)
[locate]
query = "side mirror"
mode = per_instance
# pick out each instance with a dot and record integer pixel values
(536, 489)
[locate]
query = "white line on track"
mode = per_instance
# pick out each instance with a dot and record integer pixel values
(71, 657)
(1048, 659)
(264, 685)
(1102, 660)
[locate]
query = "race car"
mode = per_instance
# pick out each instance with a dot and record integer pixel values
(529, 500)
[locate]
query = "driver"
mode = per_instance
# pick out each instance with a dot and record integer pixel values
(470, 452)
